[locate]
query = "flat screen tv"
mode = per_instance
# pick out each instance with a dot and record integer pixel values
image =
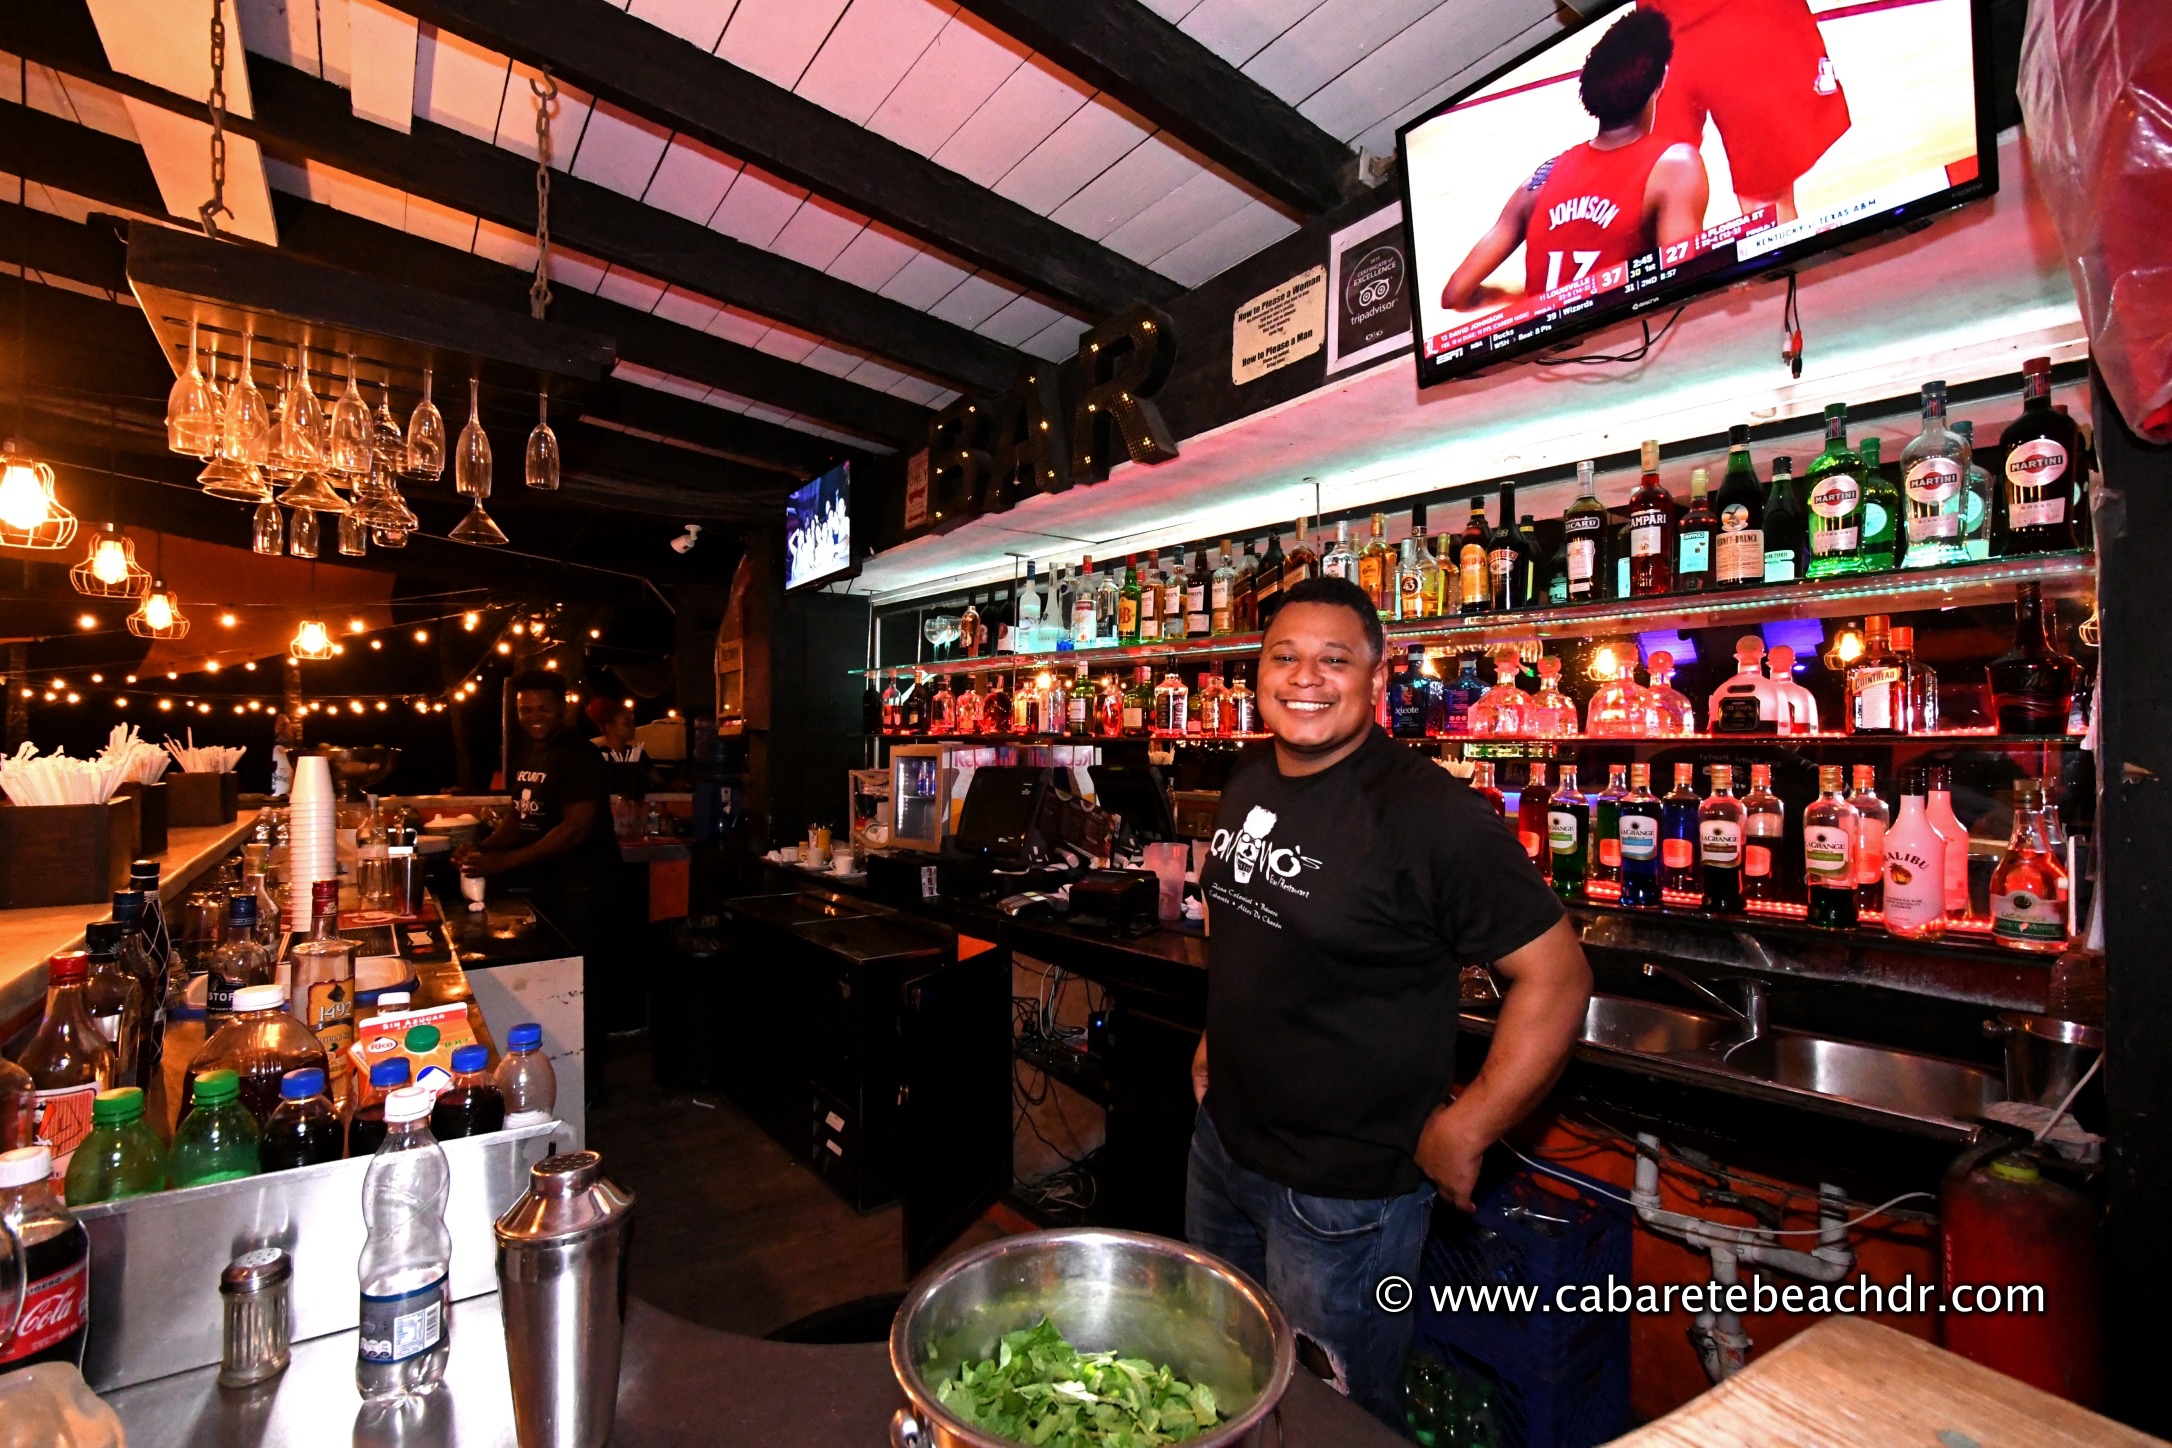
(1667, 147)
(818, 529)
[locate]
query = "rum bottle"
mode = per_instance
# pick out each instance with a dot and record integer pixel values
(1738, 548)
(1828, 853)
(1872, 819)
(2029, 886)
(1376, 568)
(2046, 473)
(1787, 537)
(1885, 513)
(2032, 683)
(1652, 528)
(1934, 470)
(1719, 844)
(1835, 481)
(1583, 538)
(1764, 827)
(1532, 822)
(1693, 538)
(1474, 591)
(1912, 891)
(1637, 819)
(1568, 824)
(1678, 833)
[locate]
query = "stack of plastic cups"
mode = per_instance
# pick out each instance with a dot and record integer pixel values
(311, 819)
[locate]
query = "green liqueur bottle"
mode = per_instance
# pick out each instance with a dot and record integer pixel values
(1884, 514)
(1836, 501)
(1738, 549)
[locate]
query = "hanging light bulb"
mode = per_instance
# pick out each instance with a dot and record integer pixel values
(426, 437)
(311, 641)
(30, 515)
(110, 569)
(302, 533)
(192, 420)
(268, 530)
(159, 615)
(471, 457)
(541, 464)
(354, 535)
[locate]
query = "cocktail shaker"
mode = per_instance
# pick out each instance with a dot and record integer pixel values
(562, 1252)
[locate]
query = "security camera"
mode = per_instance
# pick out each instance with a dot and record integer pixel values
(685, 542)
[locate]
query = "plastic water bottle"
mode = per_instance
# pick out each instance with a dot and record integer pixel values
(407, 1257)
(526, 1078)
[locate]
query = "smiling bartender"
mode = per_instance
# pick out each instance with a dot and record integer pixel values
(558, 842)
(1350, 880)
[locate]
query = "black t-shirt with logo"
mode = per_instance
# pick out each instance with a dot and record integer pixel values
(1342, 906)
(545, 778)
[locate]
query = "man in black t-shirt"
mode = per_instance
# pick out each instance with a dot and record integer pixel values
(1350, 879)
(559, 842)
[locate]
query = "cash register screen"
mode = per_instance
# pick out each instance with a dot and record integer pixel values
(1000, 809)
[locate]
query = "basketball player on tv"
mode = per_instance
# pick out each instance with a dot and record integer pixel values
(1626, 192)
(1759, 70)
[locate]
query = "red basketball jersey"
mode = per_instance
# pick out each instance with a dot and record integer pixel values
(1589, 213)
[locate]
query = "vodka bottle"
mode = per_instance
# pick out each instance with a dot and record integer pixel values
(1798, 707)
(1719, 844)
(1028, 631)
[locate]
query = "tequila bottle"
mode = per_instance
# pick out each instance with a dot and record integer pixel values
(1567, 835)
(1637, 818)
(1828, 853)
(1934, 468)
(2029, 885)
(1719, 844)
(1669, 708)
(1504, 708)
(1552, 714)
(1618, 709)
(1583, 539)
(1461, 693)
(1835, 481)
(1407, 696)
(1798, 707)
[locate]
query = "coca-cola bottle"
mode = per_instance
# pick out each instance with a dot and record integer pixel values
(55, 1320)
(69, 1061)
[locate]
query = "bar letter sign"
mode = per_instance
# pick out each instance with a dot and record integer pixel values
(1278, 327)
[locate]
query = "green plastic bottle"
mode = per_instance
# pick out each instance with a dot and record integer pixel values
(216, 1141)
(122, 1156)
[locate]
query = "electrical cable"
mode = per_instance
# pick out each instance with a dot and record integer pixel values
(1637, 354)
(1583, 1185)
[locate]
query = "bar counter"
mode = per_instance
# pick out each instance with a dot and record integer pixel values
(679, 1385)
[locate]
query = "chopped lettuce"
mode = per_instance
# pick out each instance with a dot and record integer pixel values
(1040, 1390)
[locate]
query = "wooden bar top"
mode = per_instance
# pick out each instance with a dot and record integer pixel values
(1852, 1383)
(28, 937)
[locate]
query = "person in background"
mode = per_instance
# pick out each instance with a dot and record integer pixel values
(1348, 882)
(614, 719)
(557, 843)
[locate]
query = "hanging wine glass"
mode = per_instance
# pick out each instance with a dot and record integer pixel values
(389, 537)
(192, 421)
(235, 482)
(426, 437)
(246, 435)
(302, 533)
(540, 466)
(354, 535)
(269, 530)
(471, 455)
(388, 445)
(294, 439)
(349, 454)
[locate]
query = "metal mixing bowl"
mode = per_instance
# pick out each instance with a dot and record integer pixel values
(1146, 1297)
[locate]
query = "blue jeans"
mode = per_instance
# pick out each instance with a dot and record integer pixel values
(1322, 1260)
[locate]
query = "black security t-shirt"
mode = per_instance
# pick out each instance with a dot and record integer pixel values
(543, 780)
(1342, 905)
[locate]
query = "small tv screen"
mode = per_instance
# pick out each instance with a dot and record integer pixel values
(1667, 147)
(818, 529)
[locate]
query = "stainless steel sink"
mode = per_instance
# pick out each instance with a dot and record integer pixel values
(1620, 1023)
(1897, 1081)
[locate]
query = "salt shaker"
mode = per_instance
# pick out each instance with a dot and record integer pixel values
(254, 1291)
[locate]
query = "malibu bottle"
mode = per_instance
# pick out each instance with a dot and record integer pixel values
(1738, 548)
(1836, 501)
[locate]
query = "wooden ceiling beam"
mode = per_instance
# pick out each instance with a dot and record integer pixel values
(653, 73)
(1198, 97)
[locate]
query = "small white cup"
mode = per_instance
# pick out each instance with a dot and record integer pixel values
(843, 861)
(472, 887)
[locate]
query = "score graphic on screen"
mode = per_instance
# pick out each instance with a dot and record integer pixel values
(1676, 144)
(818, 529)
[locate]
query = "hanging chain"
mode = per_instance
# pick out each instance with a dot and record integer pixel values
(217, 206)
(546, 99)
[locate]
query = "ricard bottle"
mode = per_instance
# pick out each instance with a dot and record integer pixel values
(1583, 538)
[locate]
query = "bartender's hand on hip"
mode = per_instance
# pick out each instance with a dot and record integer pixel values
(1451, 1148)
(1199, 1070)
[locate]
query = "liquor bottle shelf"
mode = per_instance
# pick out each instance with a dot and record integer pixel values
(1982, 738)
(1970, 937)
(1900, 591)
